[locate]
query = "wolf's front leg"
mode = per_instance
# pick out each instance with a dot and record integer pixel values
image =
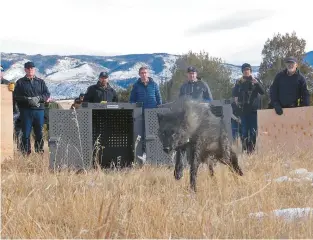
(179, 166)
(194, 165)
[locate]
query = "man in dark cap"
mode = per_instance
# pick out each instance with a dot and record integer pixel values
(30, 94)
(246, 94)
(101, 92)
(289, 88)
(195, 87)
(81, 97)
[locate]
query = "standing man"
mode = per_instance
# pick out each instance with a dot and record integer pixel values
(146, 91)
(195, 87)
(101, 91)
(30, 94)
(289, 88)
(246, 94)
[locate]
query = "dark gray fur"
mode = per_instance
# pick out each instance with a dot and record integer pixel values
(191, 126)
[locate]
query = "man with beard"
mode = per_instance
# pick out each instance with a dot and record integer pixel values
(289, 88)
(101, 92)
(195, 87)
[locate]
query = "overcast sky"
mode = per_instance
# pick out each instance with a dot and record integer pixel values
(234, 30)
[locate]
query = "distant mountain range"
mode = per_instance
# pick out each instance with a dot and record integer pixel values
(67, 76)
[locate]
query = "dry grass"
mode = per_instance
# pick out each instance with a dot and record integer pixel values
(149, 203)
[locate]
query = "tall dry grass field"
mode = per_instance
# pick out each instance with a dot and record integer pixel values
(149, 203)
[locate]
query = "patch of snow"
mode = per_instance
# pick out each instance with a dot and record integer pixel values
(129, 73)
(81, 73)
(16, 71)
(288, 214)
(298, 175)
(63, 65)
(300, 171)
(282, 179)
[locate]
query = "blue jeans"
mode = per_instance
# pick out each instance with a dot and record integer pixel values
(249, 131)
(32, 118)
(236, 131)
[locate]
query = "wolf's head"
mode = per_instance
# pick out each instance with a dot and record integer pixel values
(169, 129)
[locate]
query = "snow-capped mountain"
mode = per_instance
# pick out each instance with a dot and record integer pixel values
(68, 76)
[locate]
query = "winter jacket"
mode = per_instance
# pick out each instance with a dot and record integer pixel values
(287, 91)
(148, 94)
(24, 88)
(97, 93)
(248, 95)
(198, 90)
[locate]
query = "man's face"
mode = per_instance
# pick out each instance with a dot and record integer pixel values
(247, 72)
(144, 75)
(291, 66)
(192, 76)
(103, 81)
(30, 72)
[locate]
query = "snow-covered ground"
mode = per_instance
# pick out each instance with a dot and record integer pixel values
(288, 214)
(302, 176)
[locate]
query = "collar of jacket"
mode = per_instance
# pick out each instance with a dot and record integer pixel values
(199, 79)
(150, 80)
(28, 79)
(102, 87)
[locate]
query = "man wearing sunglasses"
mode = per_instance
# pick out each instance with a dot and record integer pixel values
(289, 88)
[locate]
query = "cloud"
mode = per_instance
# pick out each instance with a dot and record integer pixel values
(236, 20)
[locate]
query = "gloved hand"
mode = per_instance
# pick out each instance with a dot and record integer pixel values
(34, 101)
(11, 86)
(278, 109)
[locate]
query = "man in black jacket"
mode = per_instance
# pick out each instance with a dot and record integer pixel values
(289, 88)
(101, 92)
(246, 93)
(30, 94)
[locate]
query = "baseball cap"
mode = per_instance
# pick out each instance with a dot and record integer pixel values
(104, 75)
(29, 65)
(291, 59)
(191, 69)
